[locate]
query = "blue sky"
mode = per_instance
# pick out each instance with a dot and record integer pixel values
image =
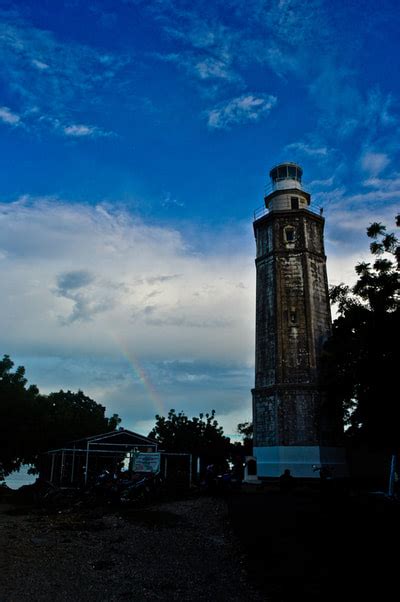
(136, 141)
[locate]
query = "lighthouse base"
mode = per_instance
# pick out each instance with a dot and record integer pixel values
(302, 461)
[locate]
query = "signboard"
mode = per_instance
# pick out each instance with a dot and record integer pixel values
(147, 462)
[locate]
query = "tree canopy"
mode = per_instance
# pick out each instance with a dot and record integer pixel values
(361, 358)
(200, 436)
(31, 423)
(245, 429)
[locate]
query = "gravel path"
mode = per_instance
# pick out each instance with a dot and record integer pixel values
(181, 550)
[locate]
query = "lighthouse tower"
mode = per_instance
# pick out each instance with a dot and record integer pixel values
(293, 428)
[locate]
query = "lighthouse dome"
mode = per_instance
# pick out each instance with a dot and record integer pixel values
(286, 175)
(286, 192)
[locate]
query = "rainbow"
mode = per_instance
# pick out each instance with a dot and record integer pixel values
(139, 372)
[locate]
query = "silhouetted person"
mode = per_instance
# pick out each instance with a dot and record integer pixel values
(286, 482)
(326, 481)
(210, 479)
(238, 471)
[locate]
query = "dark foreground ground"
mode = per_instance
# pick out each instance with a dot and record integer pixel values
(251, 546)
(305, 545)
(178, 550)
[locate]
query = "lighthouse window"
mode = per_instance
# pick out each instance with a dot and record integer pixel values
(294, 202)
(289, 234)
(292, 171)
(282, 172)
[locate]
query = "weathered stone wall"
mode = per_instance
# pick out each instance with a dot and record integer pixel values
(287, 416)
(266, 360)
(291, 303)
(292, 322)
(264, 418)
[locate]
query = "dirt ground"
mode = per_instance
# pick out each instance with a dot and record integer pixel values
(181, 550)
(254, 545)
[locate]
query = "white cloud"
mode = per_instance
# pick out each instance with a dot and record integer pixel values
(391, 184)
(277, 34)
(346, 227)
(391, 193)
(245, 108)
(39, 65)
(210, 67)
(67, 74)
(8, 116)
(325, 183)
(374, 163)
(207, 46)
(83, 131)
(75, 130)
(83, 279)
(170, 201)
(202, 67)
(308, 149)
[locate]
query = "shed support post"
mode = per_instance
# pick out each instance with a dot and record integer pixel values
(73, 466)
(87, 463)
(62, 466)
(52, 468)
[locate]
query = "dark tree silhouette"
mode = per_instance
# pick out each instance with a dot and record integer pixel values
(68, 416)
(200, 436)
(361, 358)
(31, 423)
(246, 430)
(19, 417)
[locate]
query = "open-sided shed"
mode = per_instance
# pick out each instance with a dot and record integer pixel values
(80, 461)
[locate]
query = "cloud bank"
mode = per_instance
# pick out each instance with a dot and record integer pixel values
(83, 282)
